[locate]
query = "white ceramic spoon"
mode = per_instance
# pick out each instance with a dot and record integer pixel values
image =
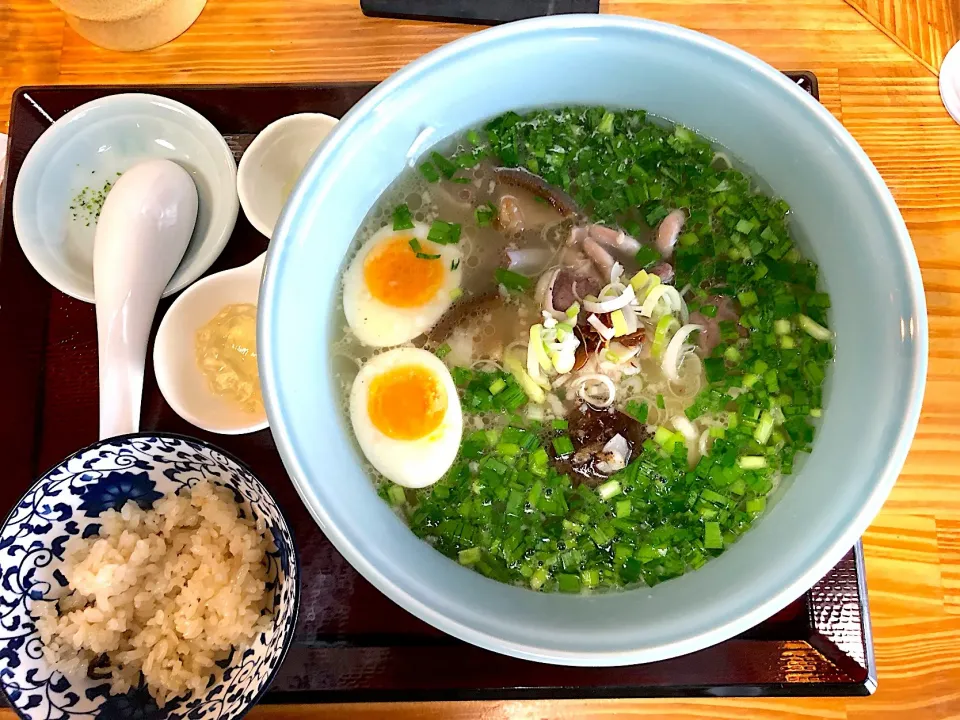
(179, 377)
(143, 231)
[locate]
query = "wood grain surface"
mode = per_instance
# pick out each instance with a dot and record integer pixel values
(924, 28)
(880, 84)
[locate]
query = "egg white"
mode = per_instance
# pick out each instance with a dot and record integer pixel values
(380, 325)
(411, 463)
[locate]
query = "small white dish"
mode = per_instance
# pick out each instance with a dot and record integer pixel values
(950, 82)
(271, 166)
(89, 147)
(179, 378)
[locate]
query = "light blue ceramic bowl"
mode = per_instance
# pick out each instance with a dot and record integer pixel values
(844, 216)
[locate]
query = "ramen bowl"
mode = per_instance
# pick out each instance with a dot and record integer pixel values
(843, 217)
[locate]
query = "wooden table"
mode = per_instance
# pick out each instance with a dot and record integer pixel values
(876, 60)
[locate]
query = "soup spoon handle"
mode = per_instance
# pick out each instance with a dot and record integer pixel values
(142, 234)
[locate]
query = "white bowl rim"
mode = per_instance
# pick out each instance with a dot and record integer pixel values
(813, 571)
(213, 245)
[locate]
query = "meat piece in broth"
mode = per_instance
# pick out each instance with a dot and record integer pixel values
(669, 231)
(710, 335)
(604, 440)
(480, 328)
(537, 186)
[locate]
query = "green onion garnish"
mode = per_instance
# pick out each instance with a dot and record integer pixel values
(485, 215)
(814, 329)
(609, 489)
(512, 280)
(638, 411)
(469, 556)
(647, 256)
(444, 233)
(397, 495)
(418, 249)
(560, 424)
(752, 462)
(712, 537)
(563, 446)
(402, 219)
(660, 402)
(445, 166)
(442, 351)
(429, 171)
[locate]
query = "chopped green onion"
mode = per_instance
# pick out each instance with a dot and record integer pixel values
(563, 446)
(663, 436)
(660, 402)
(606, 124)
(814, 329)
(429, 171)
(445, 166)
(764, 428)
(485, 215)
(712, 537)
(402, 219)
(756, 505)
(397, 495)
(444, 233)
(469, 556)
(816, 412)
(497, 386)
(623, 508)
(782, 327)
(568, 583)
(443, 351)
(512, 280)
(560, 424)
(664, 325)
(619, 324)
(418, 250)
(732, 354)
(647, 256)
(752, 462)
(538, 578)
(638, 411)
(609, 489)
(747, 298)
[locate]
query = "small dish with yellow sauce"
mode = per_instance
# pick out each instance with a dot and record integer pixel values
(205, 356)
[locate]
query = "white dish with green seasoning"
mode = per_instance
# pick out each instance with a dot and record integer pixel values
(71, 168)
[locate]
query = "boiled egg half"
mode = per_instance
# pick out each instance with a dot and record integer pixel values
(406, 416)
(399, 285)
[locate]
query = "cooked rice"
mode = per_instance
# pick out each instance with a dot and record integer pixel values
(166, 591)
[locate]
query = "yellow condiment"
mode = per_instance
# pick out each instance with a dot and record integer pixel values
(227, 356)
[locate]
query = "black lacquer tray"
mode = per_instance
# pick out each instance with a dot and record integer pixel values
(352, 643)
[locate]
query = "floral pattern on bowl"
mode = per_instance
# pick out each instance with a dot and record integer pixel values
(67, 502)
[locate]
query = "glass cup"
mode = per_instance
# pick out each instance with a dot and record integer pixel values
(130, 24)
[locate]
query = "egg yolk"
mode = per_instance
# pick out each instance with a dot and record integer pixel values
(397, 277)
(406, 402)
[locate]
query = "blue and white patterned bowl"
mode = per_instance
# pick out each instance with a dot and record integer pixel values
(67, 502)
